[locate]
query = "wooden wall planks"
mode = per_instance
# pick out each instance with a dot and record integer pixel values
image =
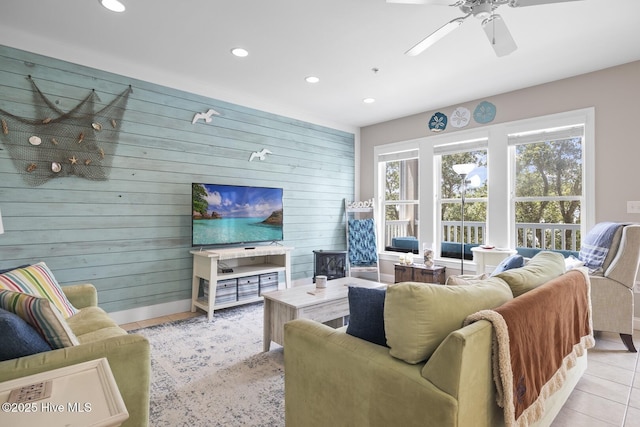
(131, 235)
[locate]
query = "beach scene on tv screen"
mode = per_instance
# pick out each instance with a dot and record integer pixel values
(226, 214)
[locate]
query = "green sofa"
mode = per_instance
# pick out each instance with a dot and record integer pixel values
(336, 379)
(99, 336)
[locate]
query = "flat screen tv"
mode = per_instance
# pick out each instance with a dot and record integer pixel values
(235, 215)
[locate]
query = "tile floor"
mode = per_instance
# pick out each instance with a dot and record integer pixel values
(607, 395)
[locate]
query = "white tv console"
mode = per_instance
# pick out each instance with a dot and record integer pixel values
(208, 265)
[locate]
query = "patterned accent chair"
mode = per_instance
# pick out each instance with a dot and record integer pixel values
(612, 286)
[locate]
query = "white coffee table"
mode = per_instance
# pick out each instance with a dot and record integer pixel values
(328, 306)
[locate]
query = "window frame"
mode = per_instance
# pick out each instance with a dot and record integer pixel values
(500, 170)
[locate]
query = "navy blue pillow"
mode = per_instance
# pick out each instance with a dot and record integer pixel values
(366, 314)
(18, 338)
(514, 261)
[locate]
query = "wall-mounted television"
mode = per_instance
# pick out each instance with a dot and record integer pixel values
(235, 215)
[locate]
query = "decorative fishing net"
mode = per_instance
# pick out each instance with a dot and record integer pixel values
(81, 142)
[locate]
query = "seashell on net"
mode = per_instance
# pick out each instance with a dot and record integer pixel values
(35, 140)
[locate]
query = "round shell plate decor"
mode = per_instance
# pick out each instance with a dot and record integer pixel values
(460, 117)
(438, 122)
(56, 167)
(485, 112)
(35, 140)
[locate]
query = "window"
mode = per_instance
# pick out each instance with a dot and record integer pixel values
(475, 207)
(548, 188)
(539, 188)
(400, 204)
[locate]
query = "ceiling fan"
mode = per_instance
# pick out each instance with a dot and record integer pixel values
(492, 23)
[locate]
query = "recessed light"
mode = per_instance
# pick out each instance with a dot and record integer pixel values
(369, 100)
(113, 5)
(239, 52)
(312, 79)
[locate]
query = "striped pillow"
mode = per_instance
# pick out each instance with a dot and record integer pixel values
(39, 313)
(38, 280)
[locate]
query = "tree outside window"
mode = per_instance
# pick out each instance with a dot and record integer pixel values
(400, 200)
(475, 208)
(548, 190)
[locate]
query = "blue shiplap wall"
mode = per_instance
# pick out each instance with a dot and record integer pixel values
(131, 235)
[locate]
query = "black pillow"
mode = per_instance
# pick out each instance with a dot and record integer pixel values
(366, 314)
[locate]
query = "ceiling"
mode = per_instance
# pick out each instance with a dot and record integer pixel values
(186, 45)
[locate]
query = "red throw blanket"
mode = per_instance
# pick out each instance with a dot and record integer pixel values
(538, 336)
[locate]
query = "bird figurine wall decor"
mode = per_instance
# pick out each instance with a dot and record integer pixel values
(206, 116)
(262, 154)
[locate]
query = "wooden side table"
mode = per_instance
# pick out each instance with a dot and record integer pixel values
(78, 395)
(419, 273)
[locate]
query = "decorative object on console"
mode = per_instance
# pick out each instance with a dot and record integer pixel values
(463, 170)
(485, 112)
(205, 116)
(460, 117)
(260, 155)
(427, 254)
(438, 122)
(60, 143)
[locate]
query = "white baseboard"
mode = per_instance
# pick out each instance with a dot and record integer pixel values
(150, 311)
(166, 309)
(636, 323)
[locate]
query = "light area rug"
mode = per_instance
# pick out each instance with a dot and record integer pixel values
(215, 373)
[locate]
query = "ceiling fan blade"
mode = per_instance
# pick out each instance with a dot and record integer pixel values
(434, 37)
(499, 35)
(524, 3)
(436, 2)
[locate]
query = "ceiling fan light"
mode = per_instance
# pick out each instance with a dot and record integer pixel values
(435, 37)
(499, 35)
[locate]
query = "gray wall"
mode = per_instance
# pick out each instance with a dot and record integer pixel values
(615, 94)
(131, 235)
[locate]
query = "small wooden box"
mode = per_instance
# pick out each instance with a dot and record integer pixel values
(419, 273)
